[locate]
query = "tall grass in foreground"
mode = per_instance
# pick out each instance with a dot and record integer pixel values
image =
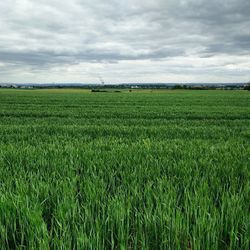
(164, 170)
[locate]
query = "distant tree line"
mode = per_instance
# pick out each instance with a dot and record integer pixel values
(104, 87)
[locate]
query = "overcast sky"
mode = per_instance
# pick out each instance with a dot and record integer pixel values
(125, 41)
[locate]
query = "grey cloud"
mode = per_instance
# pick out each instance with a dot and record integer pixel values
(51, 33)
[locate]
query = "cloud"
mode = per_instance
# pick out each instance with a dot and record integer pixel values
(51, 40)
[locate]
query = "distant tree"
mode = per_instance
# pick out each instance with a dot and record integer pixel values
(180, 86)
(247, 87)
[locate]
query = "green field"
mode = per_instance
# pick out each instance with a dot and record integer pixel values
(130, 170)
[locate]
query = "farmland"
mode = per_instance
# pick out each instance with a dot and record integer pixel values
(129, 170)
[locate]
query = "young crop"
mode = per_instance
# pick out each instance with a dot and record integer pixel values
(140, 170)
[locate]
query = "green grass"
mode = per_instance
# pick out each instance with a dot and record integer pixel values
(130, 170)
